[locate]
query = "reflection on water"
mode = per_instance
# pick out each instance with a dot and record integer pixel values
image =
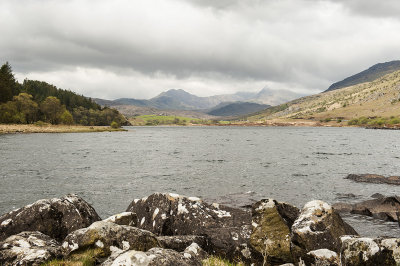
(289, 164)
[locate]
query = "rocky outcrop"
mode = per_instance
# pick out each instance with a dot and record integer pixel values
(228, 229)
(321, 257)
(124, 218)
(180, 243)
(28, 248)
(392, 244)
(104, 235)
(318, 226)
(53, 217)
(385, 208)
(365, 251)
(375, 179)
(271, 229)
(157, 256)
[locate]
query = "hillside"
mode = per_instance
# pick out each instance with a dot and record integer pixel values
(237, 108)
(39, 102)
(371, 74)
(379, 98)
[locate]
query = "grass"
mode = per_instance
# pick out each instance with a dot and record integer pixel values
(215, 261)
(154, 120)
(85, 258)
(374, 121)
(47, 128)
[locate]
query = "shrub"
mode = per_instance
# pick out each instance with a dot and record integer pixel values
(114, 125)
(66, 118)
(353, 122)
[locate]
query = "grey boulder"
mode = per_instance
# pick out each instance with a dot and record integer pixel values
(28, 248)
(365, 251)
(104, 235)
(228, 229)
(53, 217)
(318, 226)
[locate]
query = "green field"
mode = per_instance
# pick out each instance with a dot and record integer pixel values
(155, 120)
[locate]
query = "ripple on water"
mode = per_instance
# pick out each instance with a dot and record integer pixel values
(110, 170)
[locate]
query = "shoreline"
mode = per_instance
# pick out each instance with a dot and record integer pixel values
(30, 128)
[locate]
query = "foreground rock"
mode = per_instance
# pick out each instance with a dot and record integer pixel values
(385, 208)
(319, 226)
(321, 257)
(28, 248)
(375, 179)
(104, 235)
(270, 235)
(53, 217)
(392, 244)
(180, 243)
(228, 229)
(193, 255)
(124, 218)
(365, 251)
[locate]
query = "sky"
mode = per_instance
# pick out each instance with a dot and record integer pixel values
(138, 48)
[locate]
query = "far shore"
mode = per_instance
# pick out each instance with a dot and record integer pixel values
(31, 128)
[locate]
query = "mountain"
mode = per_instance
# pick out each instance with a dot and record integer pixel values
(182, 100)
(372, 73)
(275, 97)
(378, 98)
(236, 108)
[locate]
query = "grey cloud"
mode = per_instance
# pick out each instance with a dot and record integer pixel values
(302, 44)
(387, 8)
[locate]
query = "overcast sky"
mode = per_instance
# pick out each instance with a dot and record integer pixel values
(139, 48)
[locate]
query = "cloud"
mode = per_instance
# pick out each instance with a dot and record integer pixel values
(140, 48)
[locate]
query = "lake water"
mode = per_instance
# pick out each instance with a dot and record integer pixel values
(234, 165)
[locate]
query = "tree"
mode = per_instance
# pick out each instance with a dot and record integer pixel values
(52, 109)
(27, 107)
(66, 118)
(8, 84)
(9, 113)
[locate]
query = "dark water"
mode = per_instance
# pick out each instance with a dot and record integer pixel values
(289, 164)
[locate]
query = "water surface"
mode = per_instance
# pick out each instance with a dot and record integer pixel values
(291, 164)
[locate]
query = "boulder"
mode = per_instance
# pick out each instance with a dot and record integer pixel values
(271, 223)
(385, 208)
(365, 251)
(153, 257)
(196, 252)
(318, 226)
(53, 217)
(28, 248)
(375, 179)
(393, 244)
(103, 235)
(322, 257)
(180, 243)
(124, 218)
(228, 229)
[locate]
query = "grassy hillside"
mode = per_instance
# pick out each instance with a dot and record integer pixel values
(379, 98)
(371, 74)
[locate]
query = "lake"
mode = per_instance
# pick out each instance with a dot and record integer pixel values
(234, 165)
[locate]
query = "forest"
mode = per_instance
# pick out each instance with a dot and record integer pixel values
(39, 102)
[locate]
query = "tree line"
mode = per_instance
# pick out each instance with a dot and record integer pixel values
(34, 101)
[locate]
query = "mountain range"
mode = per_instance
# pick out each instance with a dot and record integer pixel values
(219, 105)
